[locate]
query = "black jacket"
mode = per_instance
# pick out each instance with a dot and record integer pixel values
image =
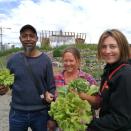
(115, 113)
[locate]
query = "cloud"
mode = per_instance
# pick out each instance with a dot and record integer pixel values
(91, 17)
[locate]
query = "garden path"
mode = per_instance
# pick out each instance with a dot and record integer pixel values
(4, 112)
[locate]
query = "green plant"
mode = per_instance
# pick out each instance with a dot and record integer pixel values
(9, 51)
(76, 113)
(46, 47)
(57, 52)
(71, 113)
(6, 78)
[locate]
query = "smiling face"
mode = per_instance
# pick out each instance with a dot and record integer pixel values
(71, 63)
(110, 51)
(28, 39)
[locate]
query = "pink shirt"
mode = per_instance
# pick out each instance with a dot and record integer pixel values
(60, 80)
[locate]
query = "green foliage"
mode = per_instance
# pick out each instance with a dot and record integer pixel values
(62, 47)
(6, 79)
(81, 85)
(62, 91)
(93, 90)
(46, 48)
(87, 51)
(8, 52)
(57, 52)
(71, 113)
(3, 61)
(86, 46)
(92, 47)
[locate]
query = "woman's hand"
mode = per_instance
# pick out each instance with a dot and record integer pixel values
(83, 95)
(3, 89)
(94, 100)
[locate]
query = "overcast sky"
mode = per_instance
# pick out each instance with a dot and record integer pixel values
(82, 16)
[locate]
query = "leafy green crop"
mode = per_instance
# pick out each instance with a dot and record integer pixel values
(81, 85)
(71, 113)
(93, 90)
(62, 91)
(6, 78)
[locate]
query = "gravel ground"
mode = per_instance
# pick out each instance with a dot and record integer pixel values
(4, 112)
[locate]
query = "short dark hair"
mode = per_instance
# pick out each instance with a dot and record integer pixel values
(25, 27)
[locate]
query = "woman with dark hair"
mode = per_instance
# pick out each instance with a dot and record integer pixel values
(115, 89)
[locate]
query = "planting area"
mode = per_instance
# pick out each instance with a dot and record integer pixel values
(89, 64)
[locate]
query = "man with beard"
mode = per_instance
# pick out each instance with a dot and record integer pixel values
(27, 107)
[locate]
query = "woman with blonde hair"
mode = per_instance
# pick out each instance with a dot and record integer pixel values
(71, 62)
